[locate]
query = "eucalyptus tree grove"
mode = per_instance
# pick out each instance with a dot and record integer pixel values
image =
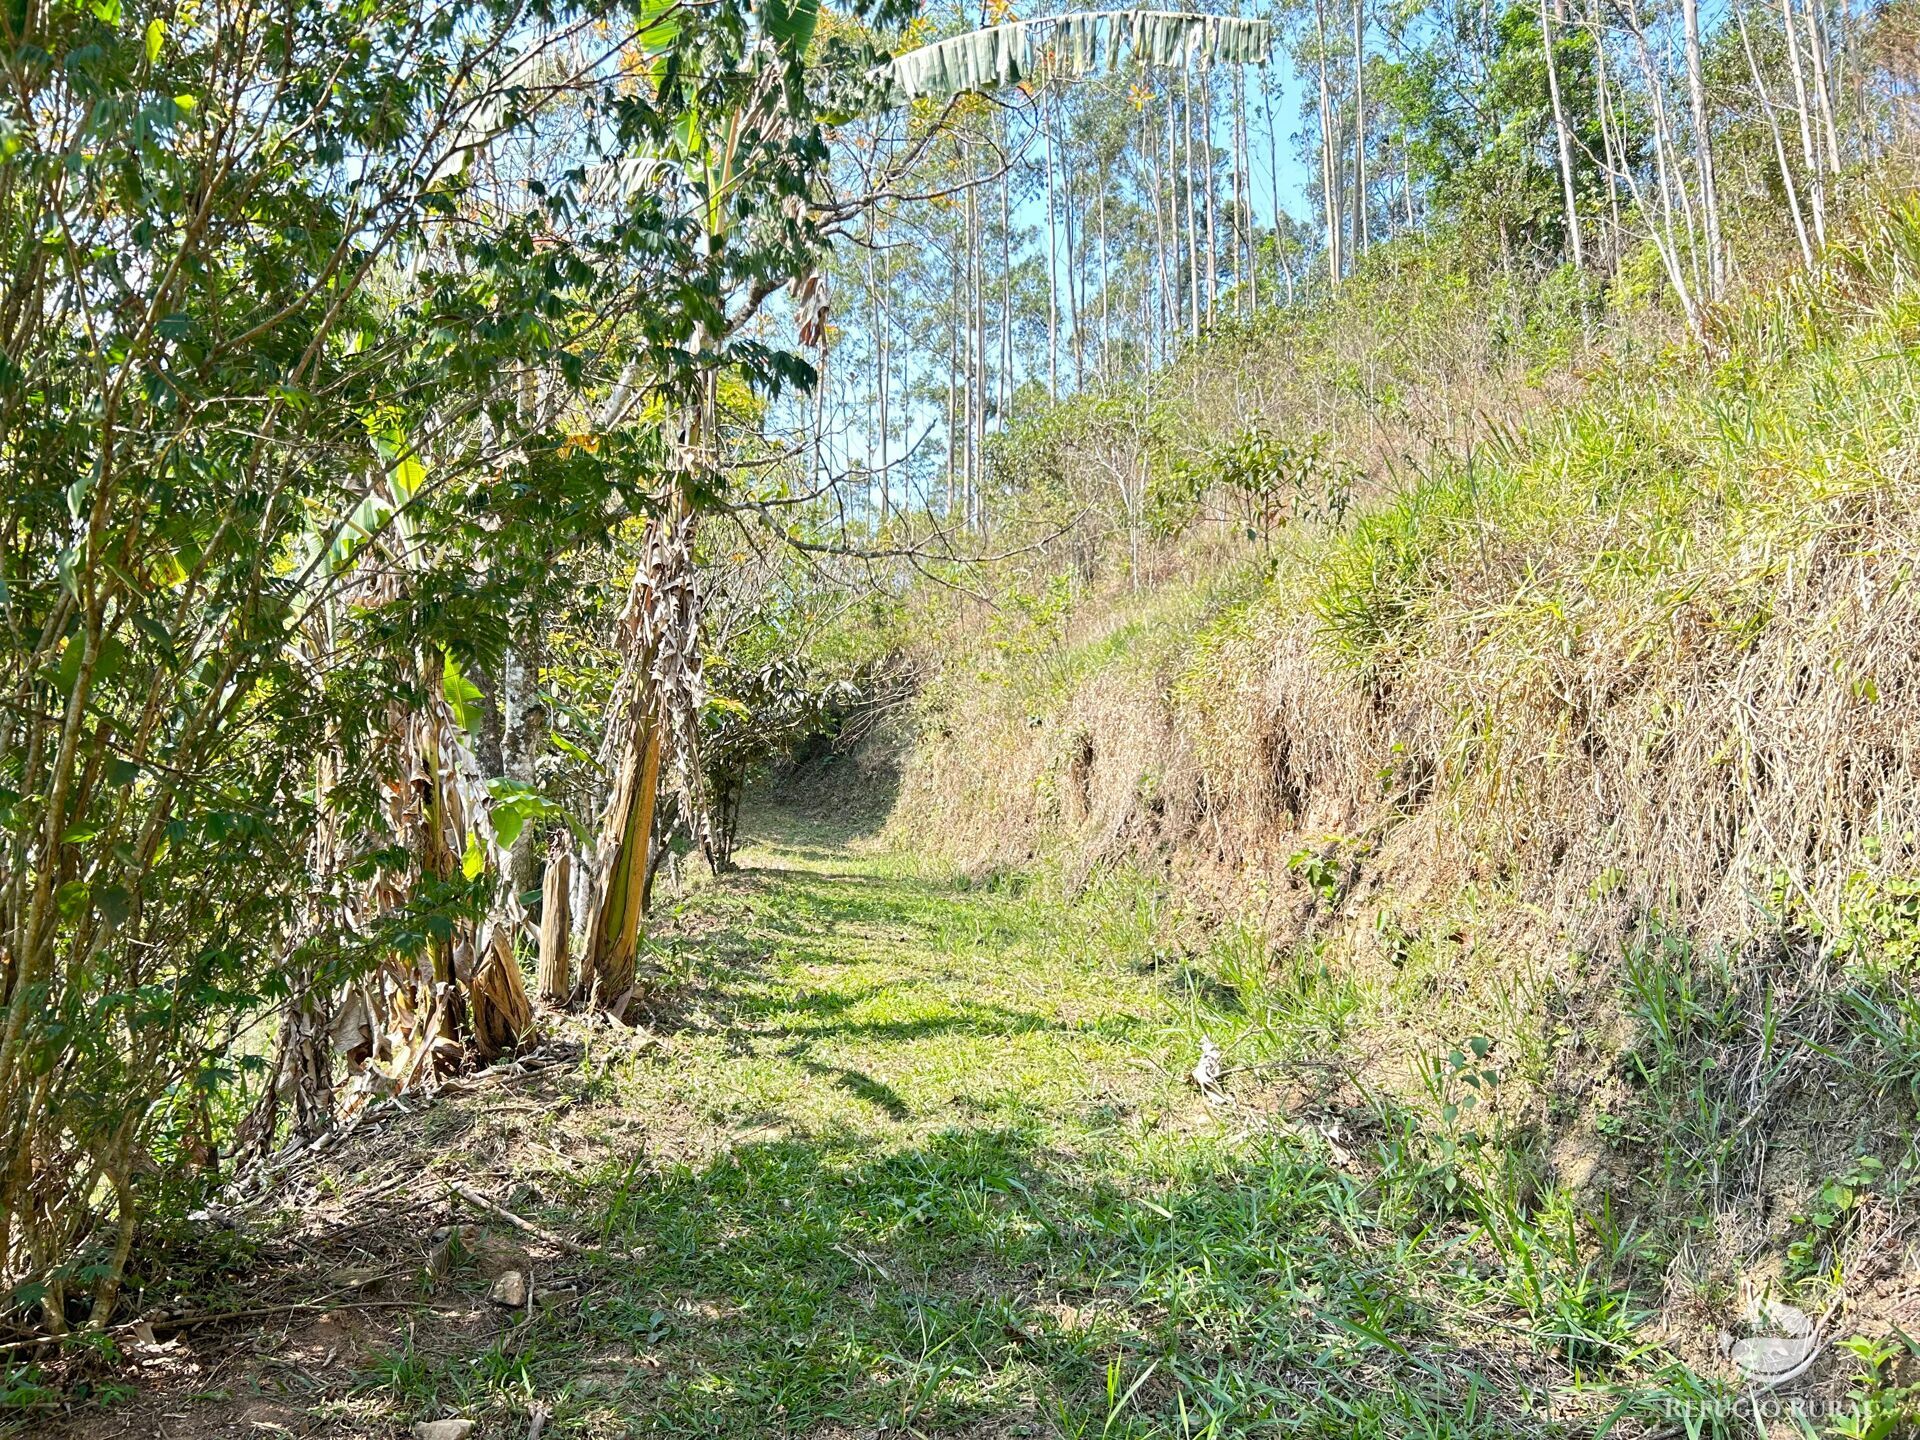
(1063, 206)
(1061, 257)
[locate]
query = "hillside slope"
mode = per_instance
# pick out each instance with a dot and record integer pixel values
(1589, 759)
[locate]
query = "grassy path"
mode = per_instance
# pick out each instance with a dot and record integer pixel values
(914, 1157)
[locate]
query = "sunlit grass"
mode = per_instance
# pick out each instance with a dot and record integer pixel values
(935, 1169)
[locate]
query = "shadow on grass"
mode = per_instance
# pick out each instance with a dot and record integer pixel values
(794, 1015)
(976, 1284)
(856, 1083)
(772, 919)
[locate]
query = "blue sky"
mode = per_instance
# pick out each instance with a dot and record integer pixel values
(852, 444)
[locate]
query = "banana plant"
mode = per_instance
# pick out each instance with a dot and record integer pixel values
(739, 149)
(467, 986)
(414, 1014)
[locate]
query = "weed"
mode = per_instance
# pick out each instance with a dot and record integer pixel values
(1834, 1208)
(1880, 1407)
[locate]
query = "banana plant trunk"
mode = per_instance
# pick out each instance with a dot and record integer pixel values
(655, 717)
(555, 978)
(609, 950)
(466, 986)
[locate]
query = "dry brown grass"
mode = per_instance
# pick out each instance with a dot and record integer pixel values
(1688, 658)
(1651, 670)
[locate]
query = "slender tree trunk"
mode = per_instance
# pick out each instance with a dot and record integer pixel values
(1703, 151)
(1006, 296)
(486, 739)
(1273, 180)
(1359, 128)
(1816, 180)
(1406, 183)
(970, 361)
(1563, 137)
(1329, 168)
(1152, 267)
(883, 341)
(1247, 264)
(1193, 229)
(1663, 237)
(953, 399)
(980, 360)
(1822, 86)
(1607, 139)
(1146, 326)
(1170, 257)
(821, 404)
(1105, 322)
(1076, 312)
(1666, 133)
(1053, 258)
(1773, 130)
(870, 394)
(1206, 173)
(1666, 162)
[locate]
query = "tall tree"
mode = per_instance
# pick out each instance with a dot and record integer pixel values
(1330, 197)
(1359, 128)
(1563, 139)
(1703, 151)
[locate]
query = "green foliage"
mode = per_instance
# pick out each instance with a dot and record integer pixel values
(1472, 106)
(1828, 1217)
(759, 710)
(1881, 1404)
(1328, 867)
(1879, 923)
(278, 476)
(1028, 625)
(1267, 481)
(1461, 1068)
(1374, 584)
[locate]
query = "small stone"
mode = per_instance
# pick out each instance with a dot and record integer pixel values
(443, 1430)
(509, 1290)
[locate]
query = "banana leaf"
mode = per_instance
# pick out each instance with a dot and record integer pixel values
(988, 59)
(1072, 44)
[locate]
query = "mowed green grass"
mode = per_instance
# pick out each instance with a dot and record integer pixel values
(917, 1156)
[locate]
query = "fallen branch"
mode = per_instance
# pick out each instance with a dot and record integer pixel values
(519, 1222)
(174, 1323)
(261, 1312)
